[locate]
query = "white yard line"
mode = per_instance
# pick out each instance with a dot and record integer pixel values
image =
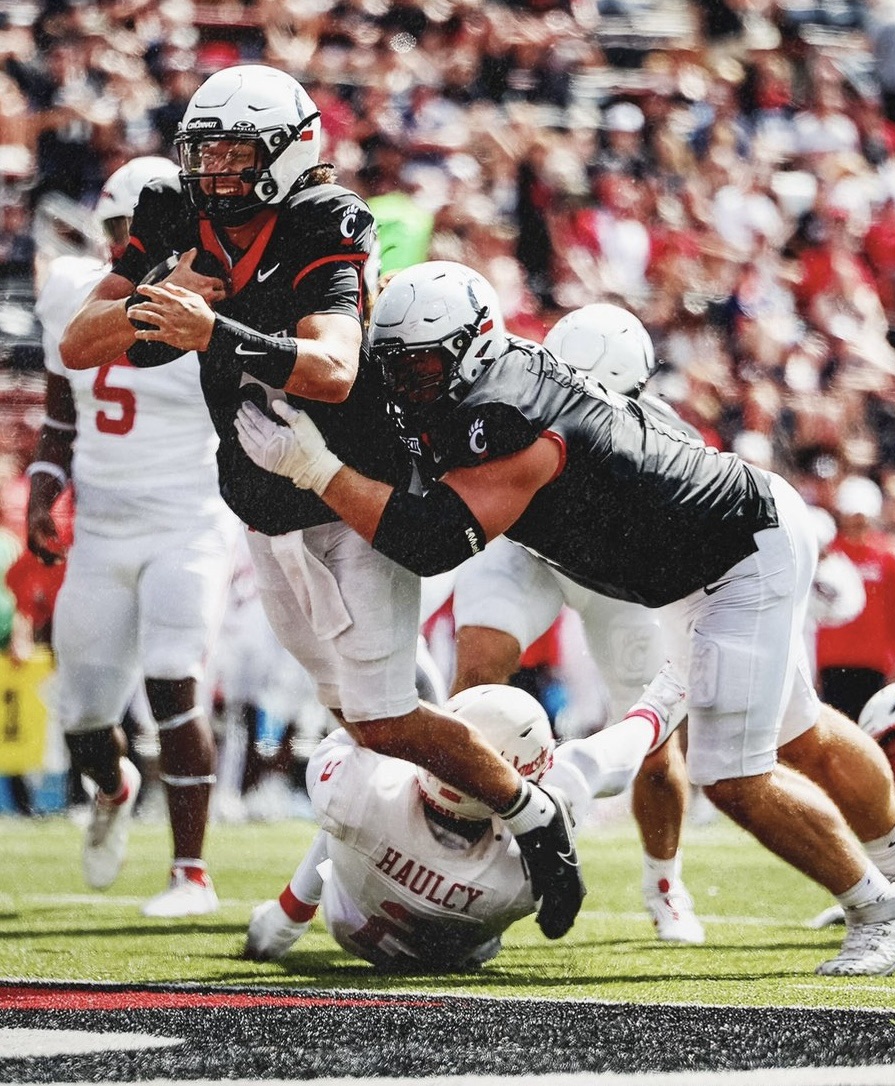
(876, 1075)
(28, 1043)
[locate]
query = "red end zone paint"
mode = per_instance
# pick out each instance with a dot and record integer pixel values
(15, 997)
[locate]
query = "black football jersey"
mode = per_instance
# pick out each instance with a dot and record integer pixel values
(308, 258)
(639, 511)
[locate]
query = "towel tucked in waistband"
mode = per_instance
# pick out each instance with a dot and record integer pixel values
(314, 585)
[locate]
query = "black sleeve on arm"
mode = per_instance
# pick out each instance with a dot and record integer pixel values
(429, 534)
(269, 358)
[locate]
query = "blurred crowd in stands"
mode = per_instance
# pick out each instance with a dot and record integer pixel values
(724, 168)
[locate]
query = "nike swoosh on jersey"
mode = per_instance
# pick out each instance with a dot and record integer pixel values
(712, 588)
(243, 350)
(262, 275)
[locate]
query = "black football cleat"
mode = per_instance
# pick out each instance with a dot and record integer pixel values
(552, 860)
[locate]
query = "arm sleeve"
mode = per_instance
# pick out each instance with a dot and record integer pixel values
(307, 882)
(604, 764)
(428, 534)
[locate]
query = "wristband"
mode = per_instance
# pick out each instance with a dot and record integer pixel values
(319, 473)
(57, 424)
(47, 467)
(269, 358)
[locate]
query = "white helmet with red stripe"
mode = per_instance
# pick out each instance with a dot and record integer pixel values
(248, 104)
(122, 189)
(119, 196)
(435, 328)
(878, 715)
(514, 723)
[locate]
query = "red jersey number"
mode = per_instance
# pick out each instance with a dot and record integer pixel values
(378, 927)
(121, 421)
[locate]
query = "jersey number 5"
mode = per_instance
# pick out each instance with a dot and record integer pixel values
(121, 421)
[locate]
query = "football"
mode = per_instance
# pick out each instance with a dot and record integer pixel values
(144, 354)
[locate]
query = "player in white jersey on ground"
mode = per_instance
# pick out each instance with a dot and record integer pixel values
(506, 597)
(412, 874)
(147, 573)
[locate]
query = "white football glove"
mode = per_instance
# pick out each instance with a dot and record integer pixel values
(296, 450)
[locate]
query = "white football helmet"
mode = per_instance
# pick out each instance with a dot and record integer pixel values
(119, 196)
(435, 328)
(607, 343)
(837, 595)
(878, 715)
(514, 723)
(255, 104)
(122, 190)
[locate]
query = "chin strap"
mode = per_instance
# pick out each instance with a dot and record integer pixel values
(469, 830)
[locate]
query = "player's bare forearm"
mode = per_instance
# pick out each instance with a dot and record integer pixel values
(495, 494)
(328, 350)
(100, 331)
(320, 374)
(48, 477)
(358, 500)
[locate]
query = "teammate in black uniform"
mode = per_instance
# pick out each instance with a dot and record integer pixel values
(510, 440)
(257, 229)
(505, 598)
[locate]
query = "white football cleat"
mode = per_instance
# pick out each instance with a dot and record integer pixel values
(189, 893)
(666, 698)
(105, 842)
(868, 949)
(673, 915)
(828, 918)
(271, 933)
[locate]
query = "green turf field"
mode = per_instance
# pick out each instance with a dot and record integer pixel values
(758, 951)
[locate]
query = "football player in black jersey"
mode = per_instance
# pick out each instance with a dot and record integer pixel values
(511, 440)
(255, 258)
(506, 597)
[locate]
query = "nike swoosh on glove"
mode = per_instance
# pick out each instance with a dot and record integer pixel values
(296, 450)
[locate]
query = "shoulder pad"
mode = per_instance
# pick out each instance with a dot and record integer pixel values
(333, 216)
(476, 433)
(163, 192)
(662, 411)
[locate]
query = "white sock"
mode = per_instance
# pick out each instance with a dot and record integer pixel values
(882, 853)
(660, 874)
(610, 760)
(872, 887)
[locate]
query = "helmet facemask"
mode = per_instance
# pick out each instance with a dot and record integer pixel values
(425, 378)
(231, 176)
(423, 375)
